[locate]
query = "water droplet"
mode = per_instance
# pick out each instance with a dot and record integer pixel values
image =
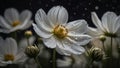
(83, 14)
(89, 3)
(99, 0)
(46, 5)
(86, 9)
(53, 0)
(77, 6)
(113, 7)
(74, 13)
(96, 7)
(69, 3)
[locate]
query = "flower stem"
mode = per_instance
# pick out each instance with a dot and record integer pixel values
(36, 60)
(103, 46)
(54, 58)
(111, 47)
(89, 63)
(28, 41)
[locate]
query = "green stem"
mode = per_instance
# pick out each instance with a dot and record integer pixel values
(111, 47)
(89, 63)
(54, 58)
(14, 35)
(36, 60)
(103, 46)
(28, 42)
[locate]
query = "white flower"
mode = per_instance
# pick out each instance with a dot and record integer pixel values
(10, 53)
(57, 33)
(109, 26)
(14, 21)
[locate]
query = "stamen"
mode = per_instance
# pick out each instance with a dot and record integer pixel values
(15, 23)
(9, 57)
(60, 31)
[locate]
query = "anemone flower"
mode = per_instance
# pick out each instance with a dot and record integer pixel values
(14, 21)
(109, 27)
(10, 53)
(55, 32)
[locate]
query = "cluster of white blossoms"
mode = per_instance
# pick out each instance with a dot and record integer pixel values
(56, 32)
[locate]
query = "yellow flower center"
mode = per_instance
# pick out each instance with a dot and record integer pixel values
(9, 57)
(16, 23)
(60, 31)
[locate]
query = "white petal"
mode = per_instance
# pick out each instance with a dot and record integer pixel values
(50, 42)
(4, 23)
(77, 27)
(22, 26)
(108, 20)
(41, 32)
(2, 46)
(11, 14)
(118, 32)
(62, 51)
(20, 57)
(79, 39)
(3, 64)
(8, 46)
(93, 32)
(41, 20)
(25, 16)
(12, 46)
(96, 21)
(58, 15)
(62, 15)
(72, 48)
(116, 26)
(5, 30)
(27, 25)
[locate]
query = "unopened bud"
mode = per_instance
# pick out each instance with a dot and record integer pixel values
(96, 54)
(102, 38)
(32, 51)
(28, 33)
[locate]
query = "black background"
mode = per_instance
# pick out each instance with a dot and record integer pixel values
(77, 9)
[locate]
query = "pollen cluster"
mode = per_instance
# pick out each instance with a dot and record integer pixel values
(60, 31)
(9, 57)
(15, 23)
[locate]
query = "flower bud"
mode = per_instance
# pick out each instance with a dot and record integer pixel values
(32, 51)
(102, 38)
(96, 54)
(28, 33)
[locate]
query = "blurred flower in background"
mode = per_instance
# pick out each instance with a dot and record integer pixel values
(10, 53)
(13, 21)
(109, 28)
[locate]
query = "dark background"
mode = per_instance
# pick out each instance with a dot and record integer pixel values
(77, 9)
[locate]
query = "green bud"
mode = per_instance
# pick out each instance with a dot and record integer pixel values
(28, 33)
(32, 51)
(102, 38)
(96, 54)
